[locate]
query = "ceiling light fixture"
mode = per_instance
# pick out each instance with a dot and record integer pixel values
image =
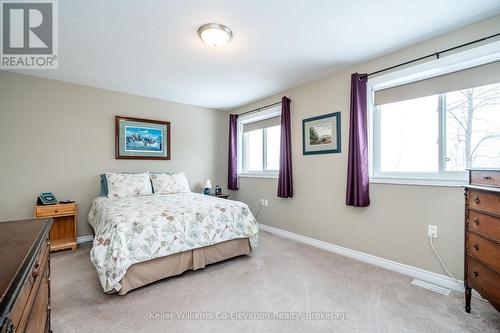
(215, 34)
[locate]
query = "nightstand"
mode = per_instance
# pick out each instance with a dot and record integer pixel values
(223, 195)
(63, 231)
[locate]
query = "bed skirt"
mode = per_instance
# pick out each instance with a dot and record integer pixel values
(150, 271)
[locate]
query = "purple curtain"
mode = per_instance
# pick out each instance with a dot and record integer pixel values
(285, 184)
(232, 168)
(357, 169)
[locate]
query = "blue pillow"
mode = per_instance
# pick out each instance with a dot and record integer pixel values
(104, 185)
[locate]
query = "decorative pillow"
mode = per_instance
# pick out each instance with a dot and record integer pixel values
(104, 185)
(167, 184)
(128, 184)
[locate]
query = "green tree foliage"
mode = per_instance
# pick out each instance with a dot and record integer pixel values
(313, 135)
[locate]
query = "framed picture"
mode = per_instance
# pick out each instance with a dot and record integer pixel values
(142, 139)
(321, 134)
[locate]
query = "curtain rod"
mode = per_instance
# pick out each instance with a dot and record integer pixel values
(259, 109)
(435, 54)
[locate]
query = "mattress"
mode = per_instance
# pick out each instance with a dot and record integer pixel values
(137, 229)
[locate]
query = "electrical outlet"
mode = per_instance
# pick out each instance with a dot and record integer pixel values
(262, 202)
(266, 203)
(432, 231)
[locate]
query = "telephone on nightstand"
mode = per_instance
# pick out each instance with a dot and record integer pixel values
(46, 198)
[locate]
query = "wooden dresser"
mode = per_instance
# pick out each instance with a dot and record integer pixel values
(25, 276)
(482, 236)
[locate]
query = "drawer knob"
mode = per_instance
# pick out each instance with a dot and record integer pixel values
(486, 177)
(476, 199)
(476, 274)
(476, 221)
(56, 211)
(476, 247)
(36, 271)
(10, 327)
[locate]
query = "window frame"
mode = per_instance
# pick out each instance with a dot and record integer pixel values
(271, 112)
(441, 175)
(447, 64)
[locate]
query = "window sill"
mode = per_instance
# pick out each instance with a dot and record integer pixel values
(419, 182)
(253, 175)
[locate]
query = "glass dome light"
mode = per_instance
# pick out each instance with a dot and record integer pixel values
(215, 34)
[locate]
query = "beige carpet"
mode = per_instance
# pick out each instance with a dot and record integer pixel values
(281, 276)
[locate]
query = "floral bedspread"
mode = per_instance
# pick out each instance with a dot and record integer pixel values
(135, 229)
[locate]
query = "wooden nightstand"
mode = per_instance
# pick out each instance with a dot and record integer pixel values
(63, 231)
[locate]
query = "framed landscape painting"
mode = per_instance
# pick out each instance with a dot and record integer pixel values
(321, 134)
(144, 139)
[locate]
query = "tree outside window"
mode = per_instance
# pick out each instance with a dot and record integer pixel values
(473, 128)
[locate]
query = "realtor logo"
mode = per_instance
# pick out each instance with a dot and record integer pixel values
(29, 34)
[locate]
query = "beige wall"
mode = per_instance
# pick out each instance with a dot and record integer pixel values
(59, 137)
(395, 225)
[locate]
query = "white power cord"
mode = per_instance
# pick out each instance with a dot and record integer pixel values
(441, 260)
(446, 269)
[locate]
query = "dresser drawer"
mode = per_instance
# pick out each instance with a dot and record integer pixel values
(484, 200)
(485, 177)
(22, 300)
(484, 250)
(483, 279)
(484, 224)
(26, 300)
(55, 210)
(37, 322)
(41, 260)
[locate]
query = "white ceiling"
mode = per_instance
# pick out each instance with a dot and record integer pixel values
(151, 48)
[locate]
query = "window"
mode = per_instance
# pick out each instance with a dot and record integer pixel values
(473, 128)
(273, 137)
(253, 151)
(259, 143)
(437, 136)
(429, 122)
(409, 135)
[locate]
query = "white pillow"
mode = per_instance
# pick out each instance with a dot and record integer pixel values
(128, 184)
(167, 184)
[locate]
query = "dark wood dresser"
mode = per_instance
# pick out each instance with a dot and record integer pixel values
(482, 236)
(25, 276)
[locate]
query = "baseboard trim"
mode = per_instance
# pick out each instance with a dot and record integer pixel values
(415, 272)
(84, 239)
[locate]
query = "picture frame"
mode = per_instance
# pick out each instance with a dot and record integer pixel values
(321, 134)
(142, 139)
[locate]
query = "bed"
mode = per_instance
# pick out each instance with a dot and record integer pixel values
(140, 240)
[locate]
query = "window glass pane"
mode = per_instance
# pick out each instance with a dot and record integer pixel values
(273, 148)
(254, 153)
(473, 128)
(409, 135)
